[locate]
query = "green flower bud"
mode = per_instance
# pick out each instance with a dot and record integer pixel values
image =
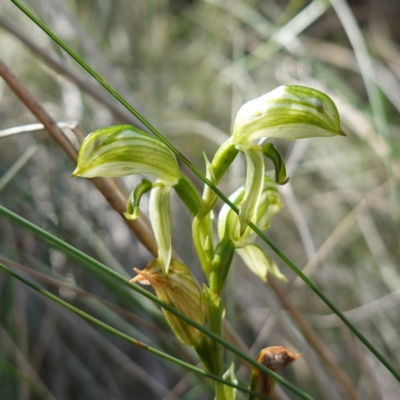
(288, 112)
(123, 150)
(180, 290)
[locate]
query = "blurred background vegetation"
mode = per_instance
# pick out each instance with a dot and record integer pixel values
(188, 66)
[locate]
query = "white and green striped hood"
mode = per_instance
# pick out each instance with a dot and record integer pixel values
(123, 150)
(288, 112)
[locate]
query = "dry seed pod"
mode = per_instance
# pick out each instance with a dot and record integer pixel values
(274, 358)
(180, 290)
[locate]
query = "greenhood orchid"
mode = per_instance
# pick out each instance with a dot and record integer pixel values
(123, 150)
(288, 112)
(229, 227)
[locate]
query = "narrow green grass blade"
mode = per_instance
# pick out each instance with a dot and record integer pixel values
(77, 254)
(312, 286)
(122, 335)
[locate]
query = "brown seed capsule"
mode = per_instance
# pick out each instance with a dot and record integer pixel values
(178, 289)
(274, 358)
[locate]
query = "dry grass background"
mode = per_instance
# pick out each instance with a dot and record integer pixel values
(188, 66)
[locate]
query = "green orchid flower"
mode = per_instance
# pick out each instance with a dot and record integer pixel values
(229, 229)
(288, 112)
(123, 150)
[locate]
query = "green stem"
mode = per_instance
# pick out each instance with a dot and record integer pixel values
(212, 352)
(221, 264)
(188, 194)
(202, 240)
(202, 224)
(122, 335)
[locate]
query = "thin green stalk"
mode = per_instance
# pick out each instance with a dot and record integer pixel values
(77, 254)
(316, 290)
(122, 335)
